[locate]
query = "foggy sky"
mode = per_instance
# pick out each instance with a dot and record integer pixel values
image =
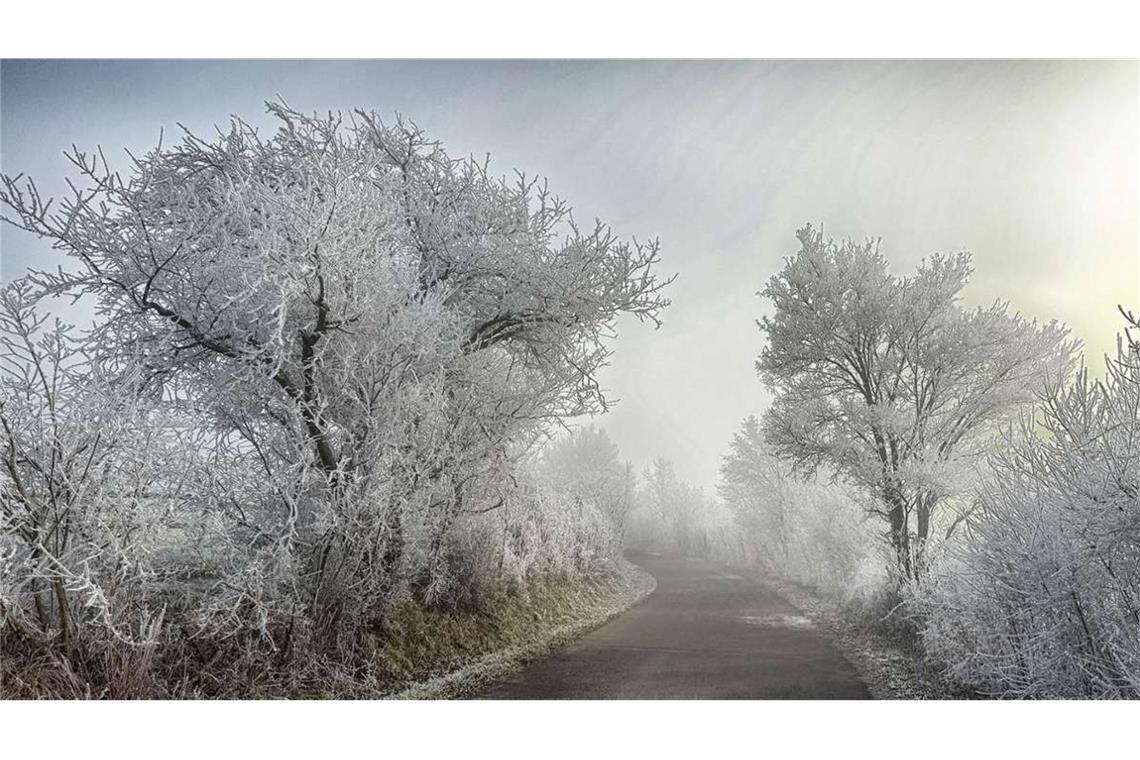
(1031, 166)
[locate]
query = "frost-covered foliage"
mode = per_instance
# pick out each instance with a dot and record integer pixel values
(564, 513)
(1043, 599)
(675, 517)
(809, 532)
(585, 466)
(319, 359)
(95, 480)
(889, 383)
(764, 516)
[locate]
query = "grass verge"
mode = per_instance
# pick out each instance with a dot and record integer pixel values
(414, 652)
(521, 629)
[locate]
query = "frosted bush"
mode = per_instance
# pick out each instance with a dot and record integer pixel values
(815, 533)
(1043, 599)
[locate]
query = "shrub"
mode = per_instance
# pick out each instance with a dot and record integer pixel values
(1043, 598)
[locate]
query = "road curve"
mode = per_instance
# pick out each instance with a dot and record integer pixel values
(705, 633)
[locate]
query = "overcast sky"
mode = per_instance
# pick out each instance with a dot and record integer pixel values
(1031, 166)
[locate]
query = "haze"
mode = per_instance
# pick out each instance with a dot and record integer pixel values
(1031, 166)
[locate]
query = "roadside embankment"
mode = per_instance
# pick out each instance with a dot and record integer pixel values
(454, 654)
(892, 668)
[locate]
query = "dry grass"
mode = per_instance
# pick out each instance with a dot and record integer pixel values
(412, 652)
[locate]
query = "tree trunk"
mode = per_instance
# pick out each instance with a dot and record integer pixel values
(922, 533)
(900, 529)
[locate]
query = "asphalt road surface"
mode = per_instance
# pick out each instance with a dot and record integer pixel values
(705, 633)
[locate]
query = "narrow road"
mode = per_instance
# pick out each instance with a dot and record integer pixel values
(705, 633)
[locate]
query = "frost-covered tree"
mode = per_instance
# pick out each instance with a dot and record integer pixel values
(666, 508)
(1043, 601)
(92, 479)
(587, 466)
(369, 329)
(810, 532)
(889, 382)
(676, 517)
(756, 488)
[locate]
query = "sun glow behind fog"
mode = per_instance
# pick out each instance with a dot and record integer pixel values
(1032, 167)
(1080, 266)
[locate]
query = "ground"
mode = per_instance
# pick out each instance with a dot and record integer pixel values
(891, 663)
(706, 632)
